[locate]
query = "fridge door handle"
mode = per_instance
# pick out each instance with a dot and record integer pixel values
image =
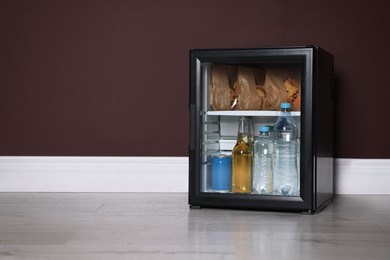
(192, 127)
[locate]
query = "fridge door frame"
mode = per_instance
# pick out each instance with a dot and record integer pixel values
(303, 203)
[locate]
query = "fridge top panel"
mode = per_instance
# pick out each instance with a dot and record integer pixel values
(258, 55)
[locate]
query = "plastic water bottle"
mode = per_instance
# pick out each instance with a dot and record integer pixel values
(285, 154)
(262, 174)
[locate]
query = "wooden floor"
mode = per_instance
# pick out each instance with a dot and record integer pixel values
(161, 226)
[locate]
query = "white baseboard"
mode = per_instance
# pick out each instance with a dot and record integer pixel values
(362, 176)
(154, 174)
(93, 174)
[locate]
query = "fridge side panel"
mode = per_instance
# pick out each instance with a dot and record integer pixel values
(308, 134)
(193, 148)
(324, 128)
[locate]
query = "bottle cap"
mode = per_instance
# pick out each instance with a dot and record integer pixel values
(285, 105)
(264, 129)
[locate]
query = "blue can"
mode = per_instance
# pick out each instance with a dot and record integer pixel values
(221, 173)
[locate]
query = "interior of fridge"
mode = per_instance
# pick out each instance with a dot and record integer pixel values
(219, 126)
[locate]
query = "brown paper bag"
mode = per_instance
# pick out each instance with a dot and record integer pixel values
(220, 94)
(249, 94)
(282, 85)
(293, 88)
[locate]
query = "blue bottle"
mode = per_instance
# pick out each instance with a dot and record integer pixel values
(285, 154)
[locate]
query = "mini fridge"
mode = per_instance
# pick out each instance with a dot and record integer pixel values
(226, 84)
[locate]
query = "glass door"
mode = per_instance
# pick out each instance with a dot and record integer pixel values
(230, 91)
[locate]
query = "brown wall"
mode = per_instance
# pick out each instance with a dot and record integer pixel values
(110, 77)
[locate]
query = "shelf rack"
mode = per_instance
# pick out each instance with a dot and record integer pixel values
(249, 113)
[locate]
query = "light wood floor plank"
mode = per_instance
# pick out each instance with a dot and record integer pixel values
(161, 226)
